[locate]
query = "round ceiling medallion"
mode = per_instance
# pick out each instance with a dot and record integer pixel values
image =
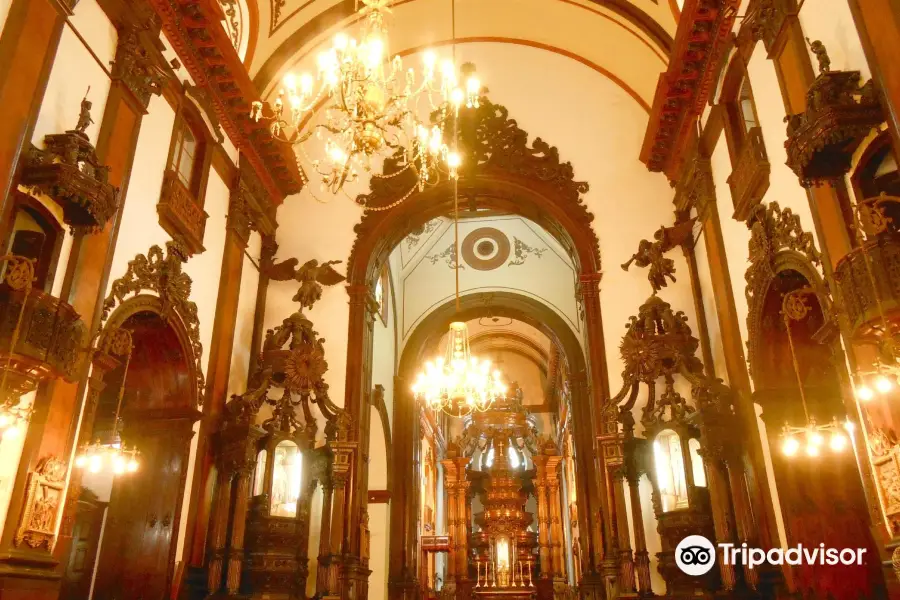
(485, 249)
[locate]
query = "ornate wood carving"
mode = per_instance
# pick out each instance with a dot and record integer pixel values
(494, 147)
(878, 254)
(180, 215)
(777, 242)
(695, 187)
(311, 276)
(683, 90)
(194, 29)
(749, 179)
(43, 501)
(840, 113)
(68, 171)
(248, 208)
(652, 254)
(138, 69)
(163, 275)
(40, 336)
(764, 21)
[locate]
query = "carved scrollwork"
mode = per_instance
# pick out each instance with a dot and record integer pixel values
(164, 275)
(136, 67)
(43, 501)
(840, 113)
(68, 171)
(777, 242)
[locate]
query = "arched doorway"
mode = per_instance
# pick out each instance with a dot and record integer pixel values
(822, 498)
(423, 344)
(125, 533)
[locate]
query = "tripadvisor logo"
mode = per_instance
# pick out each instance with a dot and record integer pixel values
(696, 555)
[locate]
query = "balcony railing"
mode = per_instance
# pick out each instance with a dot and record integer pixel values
(749, 179)
(180, 214)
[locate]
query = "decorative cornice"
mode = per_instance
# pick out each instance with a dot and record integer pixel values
(683, 90)
(193, 28)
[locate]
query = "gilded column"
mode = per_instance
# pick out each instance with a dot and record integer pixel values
(556, 533)
(338, 519)
(540, 484)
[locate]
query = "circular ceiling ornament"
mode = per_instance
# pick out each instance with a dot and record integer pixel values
(485, 249)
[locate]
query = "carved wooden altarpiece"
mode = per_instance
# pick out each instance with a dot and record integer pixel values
(43, 501)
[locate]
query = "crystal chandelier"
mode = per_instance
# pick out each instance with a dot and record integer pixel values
(459, 383)
(795, 308)
(372, 107)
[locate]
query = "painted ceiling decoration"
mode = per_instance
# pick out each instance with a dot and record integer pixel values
(485, 249)
(234, 18)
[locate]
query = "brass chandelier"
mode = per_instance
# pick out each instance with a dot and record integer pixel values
(372, 108)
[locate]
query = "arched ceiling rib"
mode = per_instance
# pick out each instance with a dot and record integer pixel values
(616, 38)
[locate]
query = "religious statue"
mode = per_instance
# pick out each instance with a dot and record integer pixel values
(311, 276)
(651, 254)
(84, 119)
(818, 49)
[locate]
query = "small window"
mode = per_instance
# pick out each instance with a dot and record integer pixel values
(697, 463)
(286, 474)
(37, 235)
(747, 109)
(669, 463)
(188, 159)
(259, 477)
(382, 299)
(184, 161)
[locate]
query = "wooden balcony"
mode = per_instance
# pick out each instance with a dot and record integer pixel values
(180, 214)
(857, 282)
(749, 179)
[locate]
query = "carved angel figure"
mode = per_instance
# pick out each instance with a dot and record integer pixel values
(84, 119)
(818, 49)
(651, 254)
(311, 276)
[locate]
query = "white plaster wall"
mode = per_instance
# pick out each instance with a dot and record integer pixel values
(11, 446)
(74, 71)
(718, 368)
(832, 23)
(379, 536)
(243, 330)
(4, 12)
(784, 187)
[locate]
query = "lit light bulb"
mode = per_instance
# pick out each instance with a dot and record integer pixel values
(838, 441)
(306, 83)
(81, 461)
(341, 41)
(864, 393)
(94, 463)
(883, 384)
(430, 60)
(290, 82)
(815, 439)
(812, 450)
(118, 464)
(457, 96)
(454, 160)
(849, 426)
(132, 466)
(4, 420)
(790, 446)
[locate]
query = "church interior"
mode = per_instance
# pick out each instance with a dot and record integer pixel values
(449, 299)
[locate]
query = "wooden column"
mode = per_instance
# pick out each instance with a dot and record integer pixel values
(626, 557)
(723, 519)
(266, 259)
(402, 570)
(245, 214)
(641, 556)
(238, 529)
(556, 532)
(218, 531)
(355, 571)
(325, 538)
(878, 24)
(28, 47)
(764, 533)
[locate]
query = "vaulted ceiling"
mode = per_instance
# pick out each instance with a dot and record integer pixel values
(626, 41)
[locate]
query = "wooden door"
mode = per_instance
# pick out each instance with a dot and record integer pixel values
(138, 549)
(76, 582)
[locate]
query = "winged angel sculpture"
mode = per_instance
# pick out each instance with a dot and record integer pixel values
(311, 276)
